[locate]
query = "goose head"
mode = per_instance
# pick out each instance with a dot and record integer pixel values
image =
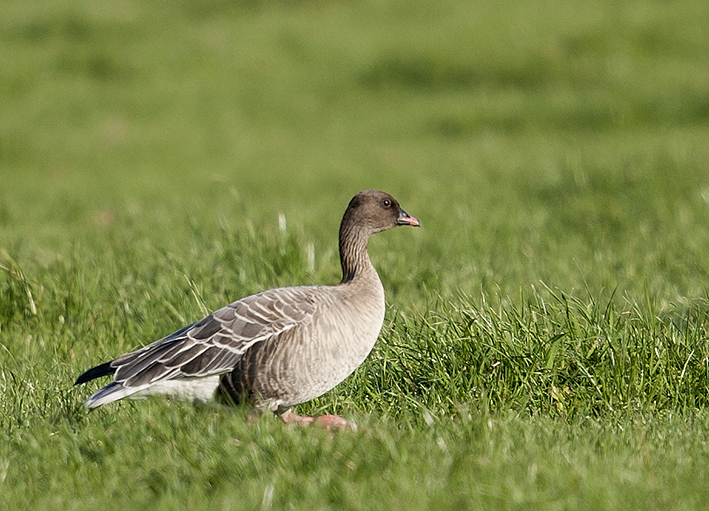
(376, 211)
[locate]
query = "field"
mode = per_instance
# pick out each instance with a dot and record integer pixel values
(546, 338)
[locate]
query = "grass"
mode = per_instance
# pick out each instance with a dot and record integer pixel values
(545, 343)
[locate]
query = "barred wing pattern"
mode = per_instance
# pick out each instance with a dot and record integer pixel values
(211, 346)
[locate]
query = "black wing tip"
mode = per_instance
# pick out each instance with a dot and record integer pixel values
(96, 372)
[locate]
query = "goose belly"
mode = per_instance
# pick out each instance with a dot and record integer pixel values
(316, 359)
(193, 389)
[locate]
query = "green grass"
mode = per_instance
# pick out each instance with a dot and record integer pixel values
(545, 344)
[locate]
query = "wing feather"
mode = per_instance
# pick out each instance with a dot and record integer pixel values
(215, 344)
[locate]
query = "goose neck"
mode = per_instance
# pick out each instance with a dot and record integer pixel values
(353, 254)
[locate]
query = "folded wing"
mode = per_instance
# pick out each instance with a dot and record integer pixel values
(206, 348)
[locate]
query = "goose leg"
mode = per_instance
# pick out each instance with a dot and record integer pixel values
(324, 421)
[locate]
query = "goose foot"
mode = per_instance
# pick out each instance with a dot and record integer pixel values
(323, 421)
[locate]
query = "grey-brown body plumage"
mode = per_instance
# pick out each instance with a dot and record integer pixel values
(276, 348)
(311, 358)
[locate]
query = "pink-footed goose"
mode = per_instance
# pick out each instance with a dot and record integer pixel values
(276, 348)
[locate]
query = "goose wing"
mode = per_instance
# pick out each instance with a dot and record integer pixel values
(214, 344)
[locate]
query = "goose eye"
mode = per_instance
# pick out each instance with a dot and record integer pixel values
(386, 203)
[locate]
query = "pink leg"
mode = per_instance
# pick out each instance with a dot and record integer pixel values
(324, 421)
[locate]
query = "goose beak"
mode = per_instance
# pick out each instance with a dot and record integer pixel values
(406, 219)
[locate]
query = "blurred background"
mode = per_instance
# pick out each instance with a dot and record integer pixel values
(561, 141)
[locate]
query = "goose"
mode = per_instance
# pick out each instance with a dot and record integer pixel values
(277, 348)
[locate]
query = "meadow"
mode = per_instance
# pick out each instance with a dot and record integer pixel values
(545, 344)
